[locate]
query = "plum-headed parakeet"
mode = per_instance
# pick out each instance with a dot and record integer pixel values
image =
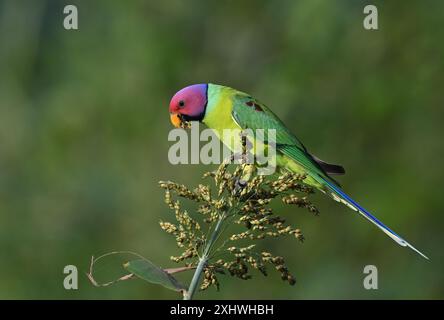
(220, 108)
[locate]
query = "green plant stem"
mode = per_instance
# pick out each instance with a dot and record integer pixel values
(204, 259)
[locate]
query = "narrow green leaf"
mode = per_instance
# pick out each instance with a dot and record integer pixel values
(147, 271)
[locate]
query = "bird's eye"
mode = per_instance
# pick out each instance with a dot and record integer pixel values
(181, 103)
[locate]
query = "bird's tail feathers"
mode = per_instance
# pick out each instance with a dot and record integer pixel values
(340, 196)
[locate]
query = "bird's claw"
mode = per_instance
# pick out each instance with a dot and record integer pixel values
(239, 185)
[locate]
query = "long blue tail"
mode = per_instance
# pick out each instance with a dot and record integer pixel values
(341, 196)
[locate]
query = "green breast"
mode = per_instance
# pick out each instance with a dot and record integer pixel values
(220, 105)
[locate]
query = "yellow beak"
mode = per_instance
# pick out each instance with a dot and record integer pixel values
(175, 120)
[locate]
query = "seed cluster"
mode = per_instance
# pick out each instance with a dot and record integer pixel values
(243, 200)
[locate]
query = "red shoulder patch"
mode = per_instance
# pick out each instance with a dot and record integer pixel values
(255, 105)
(258, 107)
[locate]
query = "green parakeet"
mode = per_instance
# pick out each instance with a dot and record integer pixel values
(220, 108)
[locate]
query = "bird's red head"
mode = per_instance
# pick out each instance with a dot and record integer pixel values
(188, 104)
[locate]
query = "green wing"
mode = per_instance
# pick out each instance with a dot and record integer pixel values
(252, 114)
(249, 113)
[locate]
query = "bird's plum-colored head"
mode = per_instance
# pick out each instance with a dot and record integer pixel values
(188, 104)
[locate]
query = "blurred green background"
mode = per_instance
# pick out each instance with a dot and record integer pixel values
(84, 124)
